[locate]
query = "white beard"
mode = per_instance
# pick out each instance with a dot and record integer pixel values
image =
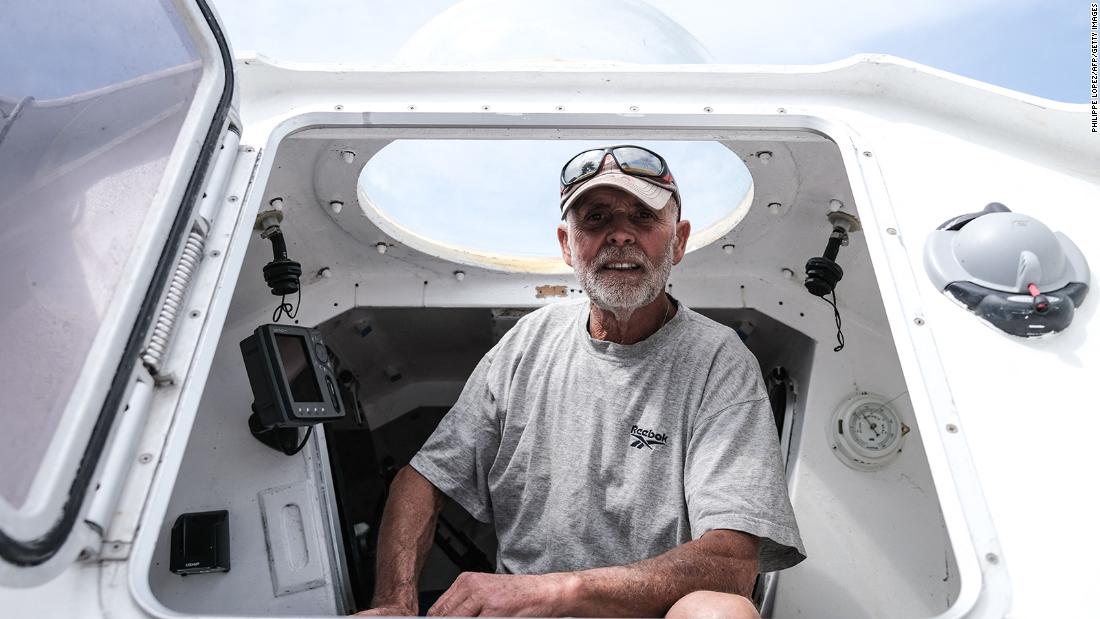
(616, 294)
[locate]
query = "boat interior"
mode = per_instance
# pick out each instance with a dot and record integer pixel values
(407, 313)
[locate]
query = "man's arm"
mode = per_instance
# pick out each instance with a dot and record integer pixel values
(405, 537)
(720, 560)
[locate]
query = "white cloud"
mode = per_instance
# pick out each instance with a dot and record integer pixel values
(810, 31)
(791, 31)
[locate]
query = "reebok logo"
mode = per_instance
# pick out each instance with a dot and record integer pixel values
(646, 438)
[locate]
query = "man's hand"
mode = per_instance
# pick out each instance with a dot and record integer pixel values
(388, 611)
(504, 595)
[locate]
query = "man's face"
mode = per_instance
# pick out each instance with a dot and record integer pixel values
(621, 250)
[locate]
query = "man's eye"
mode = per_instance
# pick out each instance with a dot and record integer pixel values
(594, 217)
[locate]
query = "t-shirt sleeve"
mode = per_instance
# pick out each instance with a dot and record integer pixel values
(456, 458)
(733, 479)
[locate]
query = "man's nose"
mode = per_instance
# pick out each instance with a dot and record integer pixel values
(622, 233)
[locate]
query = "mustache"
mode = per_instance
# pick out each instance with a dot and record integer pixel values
(608, 255)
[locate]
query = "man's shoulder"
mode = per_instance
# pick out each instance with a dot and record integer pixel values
(558, 315)
(702, 330)
(553, 319)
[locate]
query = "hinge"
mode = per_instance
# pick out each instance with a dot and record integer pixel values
(120, 454)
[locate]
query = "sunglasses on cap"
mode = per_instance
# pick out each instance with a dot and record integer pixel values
(632, 160)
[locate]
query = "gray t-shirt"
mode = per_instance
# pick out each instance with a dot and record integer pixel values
(585, 453)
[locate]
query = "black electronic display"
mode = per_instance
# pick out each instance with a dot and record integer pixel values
(295, 359)
(292, 380)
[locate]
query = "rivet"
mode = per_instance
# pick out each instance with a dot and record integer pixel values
(952, 428)
(339, 107)
(633, 108)
(559, 108)
(460, 275)
(866, 153)
(728, 249)
(276, 203)
(782, 110)
(485, 108)
(787, 273)
(145, 458)
(708, 109)
(325, 272)
(348, 156)
(249, 149)
(381, 247)
(412, 107)
(992, 558)
(918, 321)
(232, 198)
(195, 313)
(774, 207)
(215, 253)
(336, 206)
(835, 205)
(891, 231)
(764, 156)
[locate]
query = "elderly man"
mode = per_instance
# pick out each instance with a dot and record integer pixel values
(623, 447)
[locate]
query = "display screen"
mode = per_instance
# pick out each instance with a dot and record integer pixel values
(299, 370)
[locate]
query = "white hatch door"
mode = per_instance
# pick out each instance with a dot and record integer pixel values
(110, 112)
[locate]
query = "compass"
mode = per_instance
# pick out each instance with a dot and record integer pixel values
(866, 432)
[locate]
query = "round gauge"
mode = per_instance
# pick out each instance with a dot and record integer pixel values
(866, 432)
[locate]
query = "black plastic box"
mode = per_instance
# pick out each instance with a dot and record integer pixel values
(200, 543)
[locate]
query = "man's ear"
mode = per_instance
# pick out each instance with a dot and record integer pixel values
(563, 240)
(683, 231)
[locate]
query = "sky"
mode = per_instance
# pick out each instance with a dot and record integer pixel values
(1038, 47)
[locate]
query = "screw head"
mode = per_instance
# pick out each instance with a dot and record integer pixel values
(633, 108)
(866, 153)
(338, 108)
(764, 156)
(336, 206)
(728, 249)
(781, 110)
(774, 207)
(708, 109)
(992, 558)
(381, 247)
(918, 321)
(559, 108)
(145, 458)
(952, 428)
